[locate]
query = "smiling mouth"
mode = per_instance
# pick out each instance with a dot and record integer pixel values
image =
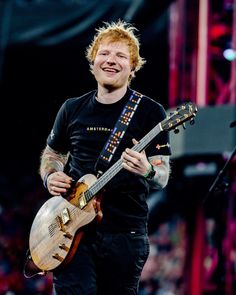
(110, 70)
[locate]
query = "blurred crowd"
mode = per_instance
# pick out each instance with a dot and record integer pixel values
(19, 200)
(164, 272)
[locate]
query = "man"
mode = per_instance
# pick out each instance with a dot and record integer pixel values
(110, 257)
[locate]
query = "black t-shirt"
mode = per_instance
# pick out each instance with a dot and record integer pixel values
(83, 126)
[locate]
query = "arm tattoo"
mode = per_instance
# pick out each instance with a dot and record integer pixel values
(51, 161)
(161, 165)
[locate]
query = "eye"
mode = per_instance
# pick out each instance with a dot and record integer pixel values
(102, 53)
(122, 56)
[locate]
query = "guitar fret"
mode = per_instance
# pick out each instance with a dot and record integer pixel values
(147, 139)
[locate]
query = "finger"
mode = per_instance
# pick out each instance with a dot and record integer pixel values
(133, 154)
(54, 191)
(60, 184)
(60, 180)
(134, 160)
(57, 188)
(57, 179)
(134, 170)
(131, 165)
(136, 142)
(62, 176)
(128, 166)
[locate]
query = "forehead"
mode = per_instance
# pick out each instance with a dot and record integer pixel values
(114, 46)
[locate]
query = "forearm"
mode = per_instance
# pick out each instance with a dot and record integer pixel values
(161, 166)
(51, 161)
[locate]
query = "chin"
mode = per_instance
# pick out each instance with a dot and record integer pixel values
(110, 83)
(110, 86)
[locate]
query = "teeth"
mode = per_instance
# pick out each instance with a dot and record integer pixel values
(110, 70)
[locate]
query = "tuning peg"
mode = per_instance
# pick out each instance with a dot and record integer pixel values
(176, 130)
(192, 121)
(184, 126)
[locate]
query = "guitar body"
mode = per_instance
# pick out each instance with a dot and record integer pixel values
(56, 230)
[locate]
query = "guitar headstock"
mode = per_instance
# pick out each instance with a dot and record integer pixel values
(183, 113)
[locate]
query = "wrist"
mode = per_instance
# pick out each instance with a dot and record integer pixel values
(149, 175)
(45, 178)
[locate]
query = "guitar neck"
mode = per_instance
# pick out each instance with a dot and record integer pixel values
(115, 168)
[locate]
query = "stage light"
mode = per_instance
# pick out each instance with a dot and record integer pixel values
(229, 54)
(200, 169)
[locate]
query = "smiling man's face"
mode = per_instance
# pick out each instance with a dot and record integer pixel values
(112, 67)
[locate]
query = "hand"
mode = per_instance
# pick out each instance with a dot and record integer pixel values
(58, 183)
(135, 162)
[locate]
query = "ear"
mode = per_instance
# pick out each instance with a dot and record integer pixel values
(132, 74)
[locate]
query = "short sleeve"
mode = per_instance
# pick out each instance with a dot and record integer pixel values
(58, 137)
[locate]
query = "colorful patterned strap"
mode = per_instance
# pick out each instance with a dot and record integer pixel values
(117, 133)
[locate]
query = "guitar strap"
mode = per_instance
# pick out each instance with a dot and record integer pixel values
(117, 133)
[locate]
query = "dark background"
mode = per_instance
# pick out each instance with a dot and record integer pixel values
(43, 63)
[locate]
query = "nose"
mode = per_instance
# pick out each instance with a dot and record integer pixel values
(111, 59)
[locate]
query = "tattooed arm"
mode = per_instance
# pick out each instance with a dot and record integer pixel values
(161, 165)
(138, 163)
(51, 171)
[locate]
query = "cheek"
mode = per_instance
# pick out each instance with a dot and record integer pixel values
(97, 64)
(94, 67)
(128, 70)
(98, 60)
(126, 66)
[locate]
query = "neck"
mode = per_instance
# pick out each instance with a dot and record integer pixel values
(109, 96)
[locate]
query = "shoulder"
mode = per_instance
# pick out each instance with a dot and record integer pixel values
(150, 102)
(73, 105)
(151, 106)
(72, 102)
